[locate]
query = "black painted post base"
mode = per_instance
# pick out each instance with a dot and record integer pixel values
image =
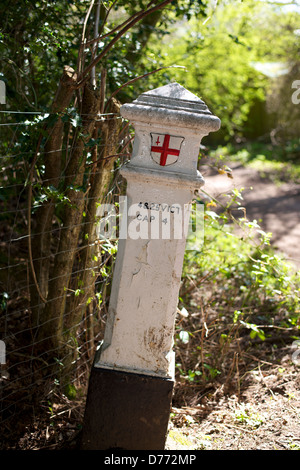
(126, 411)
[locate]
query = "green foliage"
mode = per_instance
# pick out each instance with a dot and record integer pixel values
(280, 163)
(245, 415)
(37, 40)
(70, 391)
(221, 56)
(245, 261)
(248, 282)
(242, 289)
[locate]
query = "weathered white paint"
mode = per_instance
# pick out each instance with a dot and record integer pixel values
(144, 296)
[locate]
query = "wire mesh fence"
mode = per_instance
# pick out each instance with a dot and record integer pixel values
(49, 334)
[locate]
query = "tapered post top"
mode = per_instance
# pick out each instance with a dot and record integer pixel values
(169, 123)
(172, 105)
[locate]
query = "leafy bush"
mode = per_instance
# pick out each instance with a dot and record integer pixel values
(236, 291)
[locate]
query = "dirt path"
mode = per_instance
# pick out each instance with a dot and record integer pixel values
(278, 207)
(264, 417)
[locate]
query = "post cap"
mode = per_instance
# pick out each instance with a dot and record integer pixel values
(173, 105)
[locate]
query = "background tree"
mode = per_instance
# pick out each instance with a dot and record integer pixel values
(227, 58)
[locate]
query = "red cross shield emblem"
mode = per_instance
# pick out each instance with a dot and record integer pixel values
(165, 148)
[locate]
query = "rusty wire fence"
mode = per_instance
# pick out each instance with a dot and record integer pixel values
(31, 371)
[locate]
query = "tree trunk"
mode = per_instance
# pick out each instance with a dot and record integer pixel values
(52, 317)
(89, 257)
(41, 239)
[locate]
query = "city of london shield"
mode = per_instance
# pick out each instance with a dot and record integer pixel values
(165, 148)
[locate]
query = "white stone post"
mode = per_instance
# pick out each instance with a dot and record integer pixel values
(131, 383)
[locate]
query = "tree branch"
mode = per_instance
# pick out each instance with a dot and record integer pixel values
(138, 78)
(96, 29)
(103, 36)
(129, 25)
(82, 44)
